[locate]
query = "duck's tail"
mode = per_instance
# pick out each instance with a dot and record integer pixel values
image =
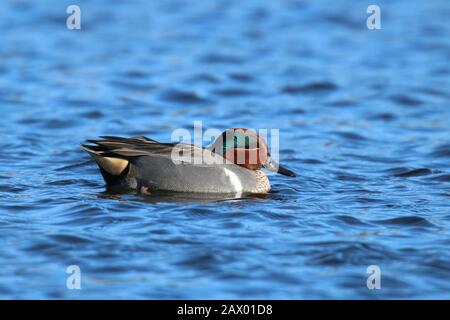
(114, 155)
(113, 165)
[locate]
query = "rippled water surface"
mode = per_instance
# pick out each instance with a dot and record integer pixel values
(364, 118)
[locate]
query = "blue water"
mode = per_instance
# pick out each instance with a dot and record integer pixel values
(364, 118)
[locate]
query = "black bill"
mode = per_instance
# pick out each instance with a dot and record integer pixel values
(273, 166)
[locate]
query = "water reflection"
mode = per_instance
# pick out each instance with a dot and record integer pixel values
(120, 194)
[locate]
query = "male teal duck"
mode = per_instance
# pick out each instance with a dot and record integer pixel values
(232, 164)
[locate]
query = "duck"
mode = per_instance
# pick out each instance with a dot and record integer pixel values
(233, 163)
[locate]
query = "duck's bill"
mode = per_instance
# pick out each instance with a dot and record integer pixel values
(273, 166)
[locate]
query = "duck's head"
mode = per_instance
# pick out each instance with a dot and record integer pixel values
(247, 149)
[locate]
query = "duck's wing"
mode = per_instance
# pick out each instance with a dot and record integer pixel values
(126, 148)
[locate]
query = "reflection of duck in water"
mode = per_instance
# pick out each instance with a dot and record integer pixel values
(230, 165)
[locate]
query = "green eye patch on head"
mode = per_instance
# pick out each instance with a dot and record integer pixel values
(239, 140)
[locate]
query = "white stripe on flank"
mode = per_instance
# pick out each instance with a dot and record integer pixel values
(234, 179)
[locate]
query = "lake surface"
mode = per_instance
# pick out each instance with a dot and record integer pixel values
(364, 119)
